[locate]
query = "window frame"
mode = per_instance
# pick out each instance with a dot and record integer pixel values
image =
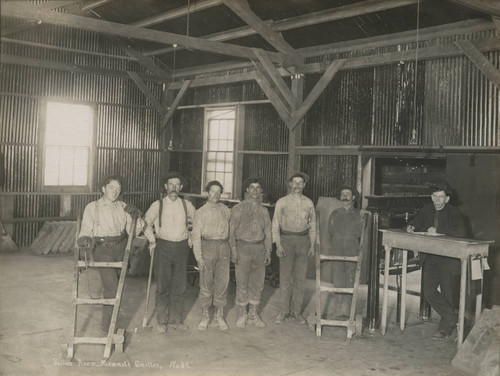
(206, 121)
(42, 149)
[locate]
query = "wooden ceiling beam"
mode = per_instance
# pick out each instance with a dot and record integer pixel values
(113, 28)
(314, 94)
(463, 27)
(427, 53)
(327, 15)
(145, 61)
(491, 7)
(148, 93)
(267, 68)
(242, 10)
(480, 61)
(176, 13)
(271, 94)
(174, 105)
(94, 4)
(73, 68)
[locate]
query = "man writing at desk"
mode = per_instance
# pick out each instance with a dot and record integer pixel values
(440, 218)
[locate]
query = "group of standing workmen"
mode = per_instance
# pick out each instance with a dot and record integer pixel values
(244, 235)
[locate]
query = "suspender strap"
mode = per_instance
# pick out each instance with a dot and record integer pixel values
(161, 210)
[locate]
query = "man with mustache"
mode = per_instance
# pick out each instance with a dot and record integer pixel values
(171, 218)
(294, 232)
(104, 229)
(344, 231)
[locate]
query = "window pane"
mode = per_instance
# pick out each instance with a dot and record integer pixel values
(51, 165)
(213, 145)
(213, 130)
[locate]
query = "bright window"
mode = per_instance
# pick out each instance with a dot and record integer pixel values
(219, 148)
(68, 139)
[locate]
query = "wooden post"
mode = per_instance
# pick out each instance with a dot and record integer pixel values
(294, 135)
(238, 157)
(165, 138)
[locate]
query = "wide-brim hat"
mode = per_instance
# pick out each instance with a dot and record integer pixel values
(302, 175)
(107, 178)
(174, 175)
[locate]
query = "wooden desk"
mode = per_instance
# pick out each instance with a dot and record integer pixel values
(442, 245)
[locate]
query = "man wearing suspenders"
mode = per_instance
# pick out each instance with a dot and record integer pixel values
(171, 217)
(105, 225)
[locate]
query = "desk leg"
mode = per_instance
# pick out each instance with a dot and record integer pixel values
(479, 301)
(461, 309)
(383, 324)
(402, 319)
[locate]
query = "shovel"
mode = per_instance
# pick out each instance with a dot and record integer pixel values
(145, 328)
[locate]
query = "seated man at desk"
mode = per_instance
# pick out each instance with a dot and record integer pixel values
(440, 218)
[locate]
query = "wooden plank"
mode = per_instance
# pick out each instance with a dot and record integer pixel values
(145, 61)
(496, 21)
(145, 90)
(491, 7)
(275, 76)
(270, 84)
(74, 68)
(95, 4)
(242, 9)
(117, 29)
(174, 105)
(321, 85)
(327, 15)
(295, 135)
(278, 105)
(480, 61)
(176, 13)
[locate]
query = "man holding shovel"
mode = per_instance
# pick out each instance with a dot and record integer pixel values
(212, 252)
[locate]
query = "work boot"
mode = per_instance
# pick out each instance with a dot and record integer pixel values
(242, 318)
(299, 319)
(280, 319)
(219, 318)
(204, 320)
(254, 317)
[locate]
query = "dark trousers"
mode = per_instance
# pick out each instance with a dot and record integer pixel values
(170, 268)
(438, 272)
(250, 273)
(293, 269)
(112, 252)
(214, 278)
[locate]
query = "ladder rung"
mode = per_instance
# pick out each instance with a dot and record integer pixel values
(94, 264)
(338, 258)
(95, 301)
(345, 290)
(335, 322)
(94, 340)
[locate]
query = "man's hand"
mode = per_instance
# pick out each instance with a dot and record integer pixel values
(410, 228)
(84, 242)
(280, 251)
(267, 259)
(131, 209)
(311, 251)
(151, 247)
(201, 263)
(234, 256)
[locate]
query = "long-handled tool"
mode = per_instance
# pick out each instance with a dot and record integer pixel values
(145, 327)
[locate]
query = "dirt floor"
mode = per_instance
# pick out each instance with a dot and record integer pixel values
(35, 313)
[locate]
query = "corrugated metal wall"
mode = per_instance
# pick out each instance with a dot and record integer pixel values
(127, 134)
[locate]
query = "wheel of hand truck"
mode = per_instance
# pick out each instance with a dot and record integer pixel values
(359, 324)
(120, 340)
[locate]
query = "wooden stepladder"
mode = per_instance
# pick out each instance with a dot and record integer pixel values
(354, 324)
(112, 338)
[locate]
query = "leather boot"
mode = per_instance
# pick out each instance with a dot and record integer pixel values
(204, 320)
(219, 318)
(242, 318)
(254, 317)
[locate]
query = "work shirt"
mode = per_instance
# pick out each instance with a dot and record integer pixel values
(250, 222)
(211, 221)
(173, 220)
(450, 220)
(103, 218)
(344, 231)
(294, 214)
